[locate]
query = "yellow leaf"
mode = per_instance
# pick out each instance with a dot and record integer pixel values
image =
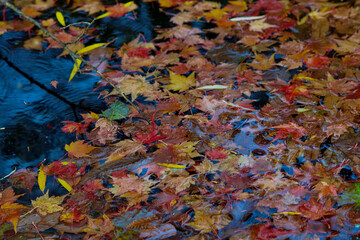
(11, 212)
(170, 165)
(91, 47)
(128, 4)
(65, 184)
(181, 83)
(260, 25)
(42, 179)
(46, 204)
(288, 213)
(79, 149)
(60, 18)
(75, 69)
(103, 15)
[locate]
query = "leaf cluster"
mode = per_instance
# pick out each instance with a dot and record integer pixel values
(178, 160)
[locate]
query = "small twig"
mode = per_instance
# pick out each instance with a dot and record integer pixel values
(85, 30)
(37, 230)
(72, 54)
(25, 214)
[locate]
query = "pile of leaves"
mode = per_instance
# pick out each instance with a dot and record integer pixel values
(168, 160)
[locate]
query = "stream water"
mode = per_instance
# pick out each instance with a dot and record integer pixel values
(32, 110)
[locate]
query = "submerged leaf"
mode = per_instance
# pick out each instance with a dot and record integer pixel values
(117, 111)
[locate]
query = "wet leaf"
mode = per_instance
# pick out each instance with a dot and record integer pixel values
(46, 204)
(116, 111)
(60, 18)
(79, 149)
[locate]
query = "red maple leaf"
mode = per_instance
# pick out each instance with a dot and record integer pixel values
(267, 231)
(152, 135)
(217, 153)
(71, 127)
(314, 210)
(291, 129)
(317, 61)
(293, 91)
(68, 171)
(139, 52)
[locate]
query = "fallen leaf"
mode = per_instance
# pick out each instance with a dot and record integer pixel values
(79, 149)
(46, 204)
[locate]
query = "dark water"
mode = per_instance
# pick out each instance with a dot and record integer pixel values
(32, 110)
(30, 115)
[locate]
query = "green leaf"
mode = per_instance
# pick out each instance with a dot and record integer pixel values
(117, 111)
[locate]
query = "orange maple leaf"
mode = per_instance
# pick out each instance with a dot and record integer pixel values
(293, 91)
(291, 129)
(79, 149)
(10, 211)
(121, 9)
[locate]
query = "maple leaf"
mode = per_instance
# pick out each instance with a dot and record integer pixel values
(317, 61)
(209, 220)
(267, 231)
(24, 178)
(179, 182)
(64, 170)
(262, 62)
(104, 131)
(315, 210)
(217, 153)
(98, 227)
(78, 128)
(93, 185)
(181, 83)
(293, 91)
(134, 85)
(46, 204)
(72, 216)
(215, 14)
(90, 6)
(129, 183)
(260, 25)
(151, 135)
(120, 9)
(116, 111)
(207, 166)
(290, 129)
(325, 189)
(10, 211)
(79, 149)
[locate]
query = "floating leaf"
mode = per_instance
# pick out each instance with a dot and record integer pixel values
(181, 83)
(79, 149)
(60, 18)
(212, 87)
(46, 204)
(65, 184)
(238, 19)
(170, 165)
(91, 47)
(75, 69)
(117, 111)
(103, 15)
(42, 178)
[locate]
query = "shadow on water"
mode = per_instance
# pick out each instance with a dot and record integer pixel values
(32, 109)
(31, 113)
